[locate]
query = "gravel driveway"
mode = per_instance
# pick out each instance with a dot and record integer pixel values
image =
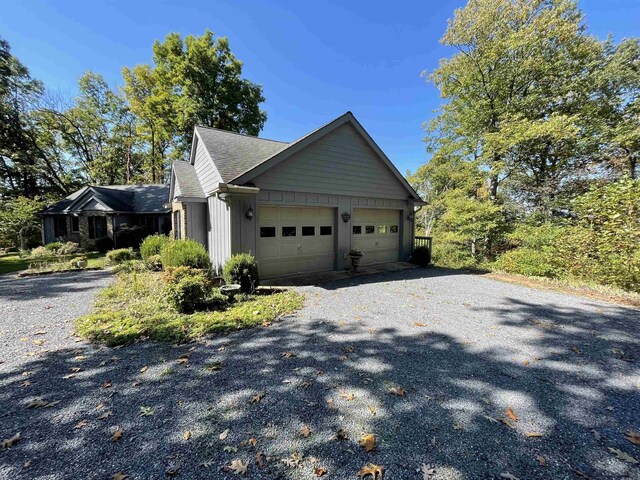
(463, 347)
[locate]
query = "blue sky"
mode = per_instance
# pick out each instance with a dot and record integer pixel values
(315, 60)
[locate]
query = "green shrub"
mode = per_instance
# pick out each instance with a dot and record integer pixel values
(53, 246)
(69, 248)
(175, 274)
(88, 245)
(152, 245)
(153, 263)
(527, 261)
(421, 256)
(451, 255)
(243, 270)
(129, 266)
(40, 252)
(104, 244)
(131, 236)
(185, 253)
(194, 293)
(121, 255)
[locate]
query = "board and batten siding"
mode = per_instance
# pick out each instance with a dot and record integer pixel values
(340, 163)
(206, 171)
(196, 221)
(219, 230)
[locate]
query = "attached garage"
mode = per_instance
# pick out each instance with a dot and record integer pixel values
(377, 233)
(293, 240)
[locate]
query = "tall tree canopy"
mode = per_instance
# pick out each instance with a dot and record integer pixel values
(537, 113)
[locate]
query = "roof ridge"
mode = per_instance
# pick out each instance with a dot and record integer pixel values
(241, 134)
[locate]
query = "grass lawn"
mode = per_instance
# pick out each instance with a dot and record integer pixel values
(13, 262)
(136, 307)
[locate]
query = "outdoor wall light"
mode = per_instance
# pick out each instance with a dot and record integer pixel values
(410, 217)
(249, 214)
(346, 216)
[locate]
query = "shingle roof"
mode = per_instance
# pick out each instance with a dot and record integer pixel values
(121, 198)
(234, 153)
(187, 180)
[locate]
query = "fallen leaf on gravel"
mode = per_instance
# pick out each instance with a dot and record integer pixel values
(187, 435)
(287, 355)
(319, 471)
(42, 404)
(214, 366)
(107, 384)
(294, 460)
(69, 375)
(25, 383)
(633, 437)
(427, 471)
(349, 349)
(230, 449)
(367, 441)
(239, 467)
(40, 332)
(541, 460)
(331, 404)
(596, 435)
(80, 424)
(260, 460)
(105, 415)
(533, 434)
(375, 471)
(144, 369)
(146, 411)
(224, 434)
(511, 414)
(75, 369)
(577, 350)
(251, 441)
(257, 398)
(339, 435)
(400, 392)
(349, 396)
(117, 435)
(525, 363)
(305, 431)
(580, 474)
(27, 464)
(312, 459)
(119, 476)
(343, 358)
(184, 359)
(38, 342)
(9, 442)
(372, 410)
(622, 455)
(171, 470)
(508, 476)
(418, 324)
(505, 422)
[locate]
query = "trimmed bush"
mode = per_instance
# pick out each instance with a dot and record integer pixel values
(88, 245)
(121, 255)
(185, 253)
(152, 245)
(421, 256)
(193, 293)
(131, 236)
(104, 244)
(69, 248)
(154, 263)
(53, 246)
(242, 269)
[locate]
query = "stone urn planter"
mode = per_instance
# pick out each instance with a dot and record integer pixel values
(355, 256)
(230, 290)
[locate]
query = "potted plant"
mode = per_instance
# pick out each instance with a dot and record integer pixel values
(356, 256)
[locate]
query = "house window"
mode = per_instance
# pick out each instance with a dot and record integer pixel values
(369, 229)
(357, 229)
(97, 227)
(308, 231)
(289, 231)
(326, 230)
(382, 229)
(393, 228)
(75, 224)
(60, 226)
(177, 225)
(267, 232)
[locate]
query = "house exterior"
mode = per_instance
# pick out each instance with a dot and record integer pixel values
(96, 212)
(298, 207)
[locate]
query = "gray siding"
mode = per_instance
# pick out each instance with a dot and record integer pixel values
(219, 229)
(339, 163)
(207, 173)
(197, 221)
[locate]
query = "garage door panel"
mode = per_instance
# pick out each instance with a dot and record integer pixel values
(376, 233)
(303, 241)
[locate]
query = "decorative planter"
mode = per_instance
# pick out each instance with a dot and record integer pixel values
(230, 291)
(355, 261)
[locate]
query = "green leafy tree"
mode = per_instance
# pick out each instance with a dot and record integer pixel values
(20, 214)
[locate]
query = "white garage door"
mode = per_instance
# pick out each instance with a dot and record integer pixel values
(294, 240)
(376, 232)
